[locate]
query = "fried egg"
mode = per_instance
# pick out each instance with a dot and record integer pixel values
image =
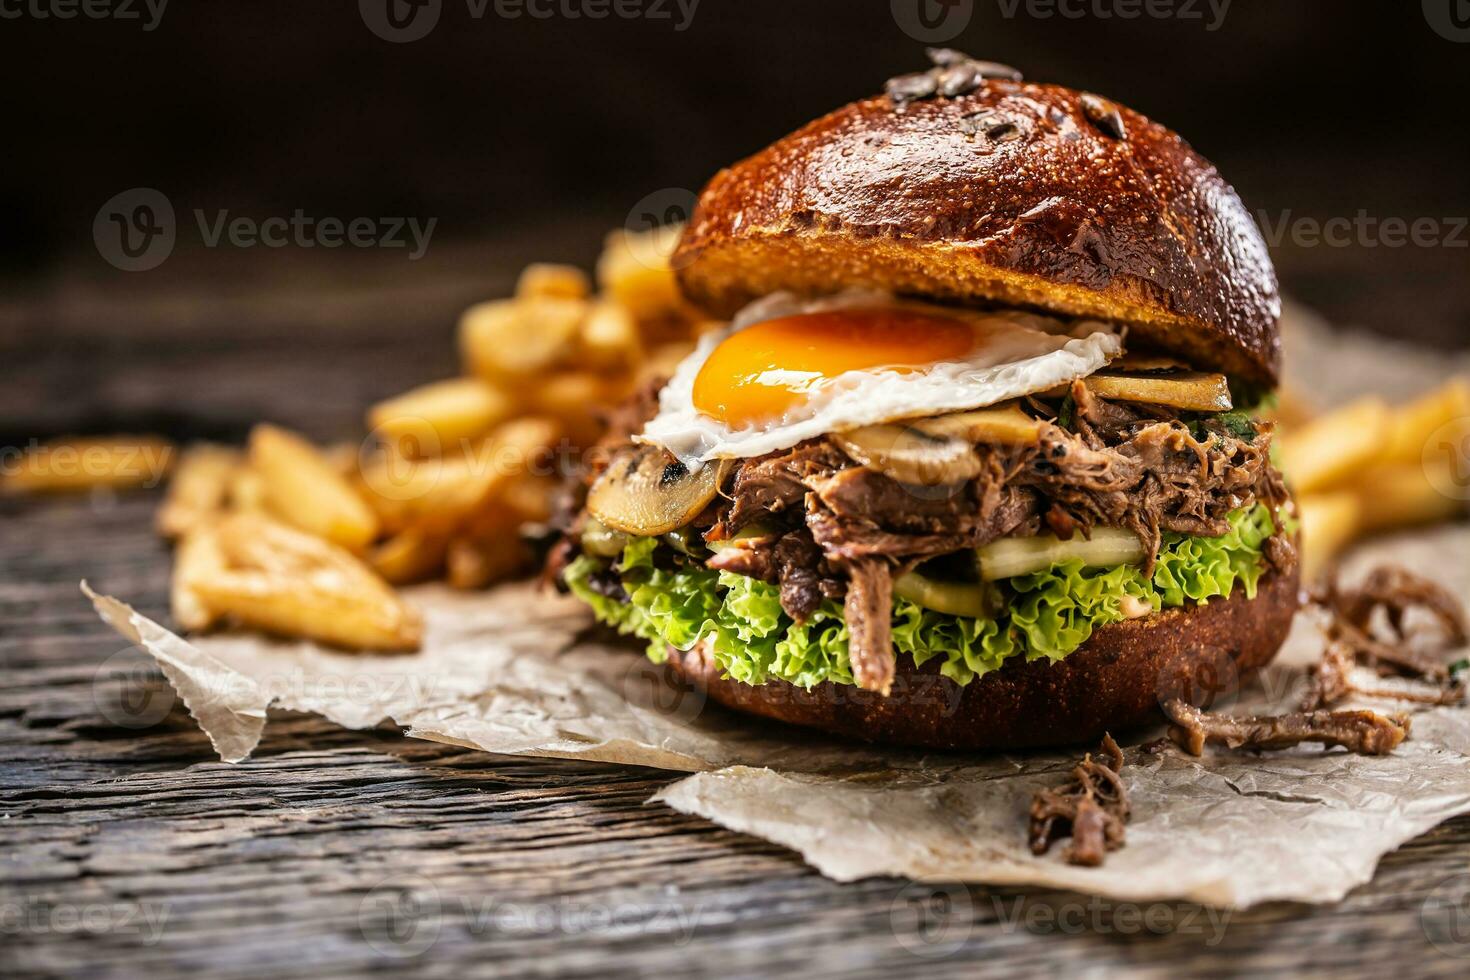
(788, 369)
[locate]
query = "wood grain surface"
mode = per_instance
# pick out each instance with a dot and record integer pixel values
(127, 849)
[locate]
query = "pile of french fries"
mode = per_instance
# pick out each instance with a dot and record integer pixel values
(308, 541)
(1370, 467)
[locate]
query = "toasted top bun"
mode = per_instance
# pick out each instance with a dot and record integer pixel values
(1012, 194)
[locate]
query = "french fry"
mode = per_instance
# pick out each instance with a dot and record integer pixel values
(283, 580)
(634, 270)
(246, 490)
(528, 498)
(199, 489)
(442, 492)
(1334, 446)
(1407, 494)
(342, 457)
(610, 337)
(198, 557)
(664, 359)
(474, 564)
(551, 279)
(441, 417)
(305, 490)
(574, 398)
(401, 490)
(1329, 522)
(1291, 411)
(514, 340)
(70, 465)
(1412, 426)
(411, 555)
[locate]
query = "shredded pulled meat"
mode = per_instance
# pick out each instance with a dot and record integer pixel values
(1132, 466)
(1091, 806)
(1361, 732)
(836, 529)
(1393, 652)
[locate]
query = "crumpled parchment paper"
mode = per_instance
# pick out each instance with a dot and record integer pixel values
(516, 671)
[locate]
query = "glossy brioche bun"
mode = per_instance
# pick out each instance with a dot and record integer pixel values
(1115, 682)
(1011, 195)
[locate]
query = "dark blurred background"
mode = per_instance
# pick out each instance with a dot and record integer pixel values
(528, 137)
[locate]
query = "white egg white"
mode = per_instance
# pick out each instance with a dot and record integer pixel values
(1024, 353)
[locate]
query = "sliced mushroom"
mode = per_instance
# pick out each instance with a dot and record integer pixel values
(1190, 390)
(998, 426)
(646, 491)
(909, 455)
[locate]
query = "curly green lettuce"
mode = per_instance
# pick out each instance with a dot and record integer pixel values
(1050, 613)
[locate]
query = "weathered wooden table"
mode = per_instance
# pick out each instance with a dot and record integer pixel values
(129, 849)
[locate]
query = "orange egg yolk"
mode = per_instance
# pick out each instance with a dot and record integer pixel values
(759, 374)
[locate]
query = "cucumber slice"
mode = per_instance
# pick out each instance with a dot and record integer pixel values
(952, 598)
(1009, 557)
(600, 540)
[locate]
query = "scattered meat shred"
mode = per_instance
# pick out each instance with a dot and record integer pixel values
(1091, 807)
(1355, 646)
(869, 615)
(1361, 732)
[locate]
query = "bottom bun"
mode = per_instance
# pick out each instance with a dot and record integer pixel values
(1116, 681)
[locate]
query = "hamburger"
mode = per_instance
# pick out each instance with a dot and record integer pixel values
(977, 462)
